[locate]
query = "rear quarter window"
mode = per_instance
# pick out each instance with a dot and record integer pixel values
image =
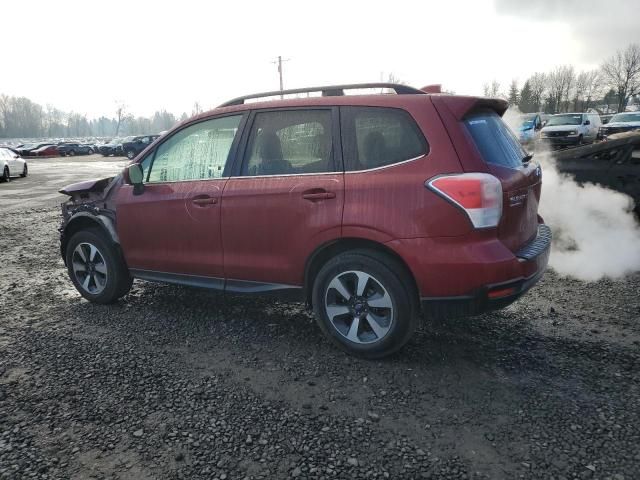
(495, 140)
(375, 137)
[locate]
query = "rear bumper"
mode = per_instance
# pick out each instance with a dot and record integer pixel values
(475, 276)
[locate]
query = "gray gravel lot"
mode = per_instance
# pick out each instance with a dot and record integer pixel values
(173, 382)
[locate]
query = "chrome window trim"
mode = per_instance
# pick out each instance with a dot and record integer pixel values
(185, 181)
(424, 155)
(287, 175)
(333, 173)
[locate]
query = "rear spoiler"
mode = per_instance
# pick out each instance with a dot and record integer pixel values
(460, 106)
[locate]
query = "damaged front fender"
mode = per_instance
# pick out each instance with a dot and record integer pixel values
(88, 207)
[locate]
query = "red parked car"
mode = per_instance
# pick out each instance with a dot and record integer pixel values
(46, 151)
(370, 208)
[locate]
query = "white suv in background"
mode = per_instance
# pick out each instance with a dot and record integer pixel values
(566, 129)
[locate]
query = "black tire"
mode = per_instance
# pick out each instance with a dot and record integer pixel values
(580, 141)
(71, 153)
(90, 152)
(118, 281)
(6, 175)
(25, 171)
(131, 154)
(387, 274)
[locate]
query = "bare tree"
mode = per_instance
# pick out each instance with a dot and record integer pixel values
(197, 109)
(514, 93)
(561, 81)
(492, 89)
(622, 73)
(121, 114)
(593, 88)
(579, 90)
(538, 83)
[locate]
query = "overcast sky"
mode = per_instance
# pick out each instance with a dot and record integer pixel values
(83, 56)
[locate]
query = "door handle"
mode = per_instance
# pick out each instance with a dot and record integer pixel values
(315, 196)
(202, 201)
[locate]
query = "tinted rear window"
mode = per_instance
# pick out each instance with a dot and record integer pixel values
(496, 142)
(374, 137)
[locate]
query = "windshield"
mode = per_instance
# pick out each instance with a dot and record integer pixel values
(527, 121)
(626, 117)
(570, 119)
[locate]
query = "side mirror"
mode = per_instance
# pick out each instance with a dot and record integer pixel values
(136, 177)
(587, 122)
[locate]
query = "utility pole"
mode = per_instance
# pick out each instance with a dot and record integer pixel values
(279, 63)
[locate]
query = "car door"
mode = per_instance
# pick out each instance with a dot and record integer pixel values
(285, 199)
(172, 229)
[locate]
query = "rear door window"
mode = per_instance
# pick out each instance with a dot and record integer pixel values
(495, 141)
(375, 137)
(290, 142)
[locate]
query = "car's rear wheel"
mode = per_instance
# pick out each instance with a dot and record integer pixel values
(25, 171)
(6, 175)
(364, 302)
(96, 268)
(72, 153)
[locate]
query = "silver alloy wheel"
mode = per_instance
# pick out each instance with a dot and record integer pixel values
(131, 154)
(89, 267)
(359, 307)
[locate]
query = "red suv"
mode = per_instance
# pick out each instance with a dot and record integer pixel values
(370, 208)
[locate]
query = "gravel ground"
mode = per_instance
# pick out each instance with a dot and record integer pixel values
(175, 383)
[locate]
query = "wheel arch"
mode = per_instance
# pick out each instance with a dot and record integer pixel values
(335, 247)
(85, 220)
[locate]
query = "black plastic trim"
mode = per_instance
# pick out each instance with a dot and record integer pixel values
(216, 283)
(327, 91)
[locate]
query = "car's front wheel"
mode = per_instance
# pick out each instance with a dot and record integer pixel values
(364, 302)
(131, 154)
(25, 170)
(6, 175)
(96, 267)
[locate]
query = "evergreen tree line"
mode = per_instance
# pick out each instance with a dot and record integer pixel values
(608, 89)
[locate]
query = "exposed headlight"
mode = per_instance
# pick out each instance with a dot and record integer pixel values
(573, 132)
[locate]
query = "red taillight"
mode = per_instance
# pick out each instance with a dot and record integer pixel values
(478, 194)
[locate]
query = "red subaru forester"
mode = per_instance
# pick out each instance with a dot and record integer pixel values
(372, 208)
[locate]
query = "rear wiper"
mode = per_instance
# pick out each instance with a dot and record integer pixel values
(527, 158)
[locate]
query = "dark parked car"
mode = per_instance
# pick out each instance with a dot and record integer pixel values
(73, 149)
(621, 122)
(134, 146)
(114, 147)
(368, 207)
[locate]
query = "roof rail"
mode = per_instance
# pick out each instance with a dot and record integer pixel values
(327, 91)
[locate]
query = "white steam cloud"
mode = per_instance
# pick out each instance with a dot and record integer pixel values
(596, 233)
